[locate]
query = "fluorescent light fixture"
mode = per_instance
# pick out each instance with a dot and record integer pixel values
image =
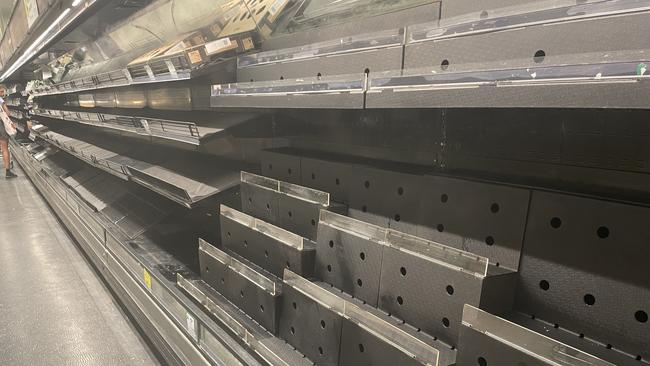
(39, 42)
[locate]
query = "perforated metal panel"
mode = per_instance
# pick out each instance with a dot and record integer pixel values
(271, 254)
(259, 202)
(328, 176)
(562, 43)
(281, 166)
(497, 214)
(379, 195)
(454, 8)
(585, 268)
(288, 206)
(596, 95)
(350, 262)
(259, 303)
(351, 63)
(360, 347)
(310, 327)
(430, 296)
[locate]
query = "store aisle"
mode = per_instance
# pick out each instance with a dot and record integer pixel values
(54, 309)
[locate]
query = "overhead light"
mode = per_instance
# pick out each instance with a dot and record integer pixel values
(30, 52)
(76, 2)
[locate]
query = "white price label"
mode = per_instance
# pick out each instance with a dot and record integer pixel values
(218, 45)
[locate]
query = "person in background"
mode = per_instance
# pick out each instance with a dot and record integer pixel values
(4, 138)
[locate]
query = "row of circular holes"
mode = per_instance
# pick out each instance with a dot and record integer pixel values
(289, 213)
(589, 299)
(494, 208)
(602, 231)
(319, 75)
(538, 58)
(241, 292)
(581, 336)
(402, 271)
(266, 252)
(293, 330)
(322, 325)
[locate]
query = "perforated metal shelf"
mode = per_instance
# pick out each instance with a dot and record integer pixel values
(332, 329)
(252, 289)
(266, 245)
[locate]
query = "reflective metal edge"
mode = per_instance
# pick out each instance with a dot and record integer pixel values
(437, 253)
(356, 43)
(248, 336)
(378, 327)
(261, 181)
(181, 344)
(353, 226)
(290, 189)
(525, 340)
(260, 280)
(517, 17)
(104, 121)
(276, 233)
(338, 84)
(431, 251)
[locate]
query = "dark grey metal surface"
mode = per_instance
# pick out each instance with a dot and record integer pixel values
(563, 43)
(362, 24)
(360, 347)
(301, 216)
(294, 211)
(386, 198)
(413, 203)
(260, 202)
(581, 342)
(498, 215)
(284, 167)
(265, 251)
(349, 262)
(431, 296)
(260, 304)
(456, 8)
(592, 257)
(301, 324)
(349, 63)
(601, 95)
(328, 176)
(312, 304)
(329, 100)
